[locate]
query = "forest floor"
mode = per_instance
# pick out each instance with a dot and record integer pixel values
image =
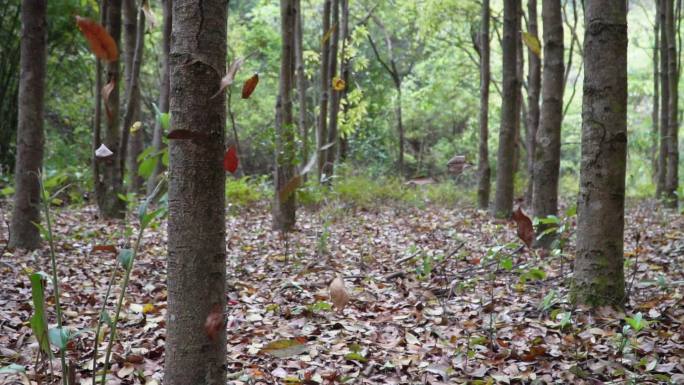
(435, 300)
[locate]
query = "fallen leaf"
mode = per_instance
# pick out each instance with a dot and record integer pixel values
(101, 42)
(230, 76)
(338, 84)
(285, 348)
(525, 228)
(249, 86)
(338, 293)
(230, 160)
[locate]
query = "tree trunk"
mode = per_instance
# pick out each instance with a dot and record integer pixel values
(521, 115)
(503, 201)
(548, 137)
(533, 86)
(132, 142)
(97, 119)
(301, 81)
(284, 215)
(196, 224)
(345, 70)
(664, 101)
(322, 129)
(400, 126)
(334, 107)
(111, 206)
(163, 102)
(30, 135)
(598, 275)
(671, 177)
(656, 93)
(483, 170)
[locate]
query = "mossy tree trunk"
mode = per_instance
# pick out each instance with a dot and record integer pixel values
(483, 169)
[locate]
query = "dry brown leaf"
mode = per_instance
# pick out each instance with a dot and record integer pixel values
(338, 293)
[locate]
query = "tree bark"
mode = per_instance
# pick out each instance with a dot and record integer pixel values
(163, 102)
(111, 206)
(483, 170)
(132, 142)
(284, 208)
(503, 201)
(30, 135)
(533, 87)
(548, 137)
(196, 224)
(334, 107)
(664, 101)
(301, 81)
(322, 129)
(671, 177)
(97, 119)
(655, 114)
(345, 70)
(598, 275)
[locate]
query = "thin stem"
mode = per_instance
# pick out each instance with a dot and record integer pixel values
(99, 323)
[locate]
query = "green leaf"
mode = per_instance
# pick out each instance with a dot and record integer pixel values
(165, 120)
(507, 264)
(285, 348)
(147, 166)
(355, 356)
(42, 230)
(38, 321)
(125, 258)
(149, 217)
(59, 337)
(165, 157)
(12, 369)
(532, 43)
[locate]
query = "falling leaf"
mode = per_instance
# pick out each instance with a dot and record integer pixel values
(104, 248)
(532, 43)
(289, 187)
(285, 348)
(230, 77)
(338, 84)
(249, 86)
(101, 42)
(149, 15)
(338, 293)
(214, 323)
(230, 160)
(103, 152)
(327, 34)
(135, 127)
(525, 228)
(106, 91)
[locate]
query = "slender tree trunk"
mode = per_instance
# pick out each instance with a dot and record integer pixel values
(521, 116)
(671, 177)
(196, 224)
(111, 206)
(548, 137)
(301, 81)
(664, 101)
(483, 170)
(345, 69)
(656, 92)
(533, 87)
(98, 186)
(322, 129)
(503, 201)
(284, 215)
(334, 107)
(133, 140)
(400, 125)
(163, 102)
(30, 135)
(598, 276)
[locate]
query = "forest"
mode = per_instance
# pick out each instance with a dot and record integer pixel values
(311, 192)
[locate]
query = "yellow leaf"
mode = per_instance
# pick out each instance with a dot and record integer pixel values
(135, 127)
(148, 308)
(338, 84)
(532, 43)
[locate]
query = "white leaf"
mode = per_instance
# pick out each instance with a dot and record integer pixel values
(103, 152)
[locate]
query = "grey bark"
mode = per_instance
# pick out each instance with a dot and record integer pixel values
(30, 135)
(322, 129)
(111, 182)
(345, 70)
(664, 101)
(483, 169)
(671, 177)
(655, 114)
(548, 137)
(301, 81)
(334, 107)
(533, 89)
(284, 214)
(97, 118)
(598, 277)
(196, 223)
(163, 102)
(503, 201)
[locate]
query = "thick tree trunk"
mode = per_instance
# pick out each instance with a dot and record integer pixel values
(163, 102)
(132, 142)
(671, 177)
(483, 170)
(503, 201)
(301, 81)
(111, 206)
(598, 275)
(548, 137)
(334, 107)
(30, 135)
(656, 92)
(322, 129)
(533, 86)
(196, 224)
(284, 215)
(664, 101)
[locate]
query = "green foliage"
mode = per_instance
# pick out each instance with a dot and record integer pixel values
(244, 191)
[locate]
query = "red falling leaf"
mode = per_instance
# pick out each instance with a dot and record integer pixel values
(249, 86)
(230, 160)
(101, 42)
(289, 187)
(106, 91)
(525, 228)
(181, 134)
(214, 322)
(104, 248)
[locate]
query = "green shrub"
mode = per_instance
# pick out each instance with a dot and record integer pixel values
(244, 191)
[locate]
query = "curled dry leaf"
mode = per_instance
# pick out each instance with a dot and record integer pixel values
(525, 228)
(101, 42)
(338, 84)
(149, 15)
(214, 322)
(249, 86)
(103, 151)
(230, 160)
(230, 77)
(106, 92)
(338, 293)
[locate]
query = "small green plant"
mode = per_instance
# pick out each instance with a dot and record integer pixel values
(548, 302)
(243, 191)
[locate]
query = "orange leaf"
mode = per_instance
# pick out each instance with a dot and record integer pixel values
(101, 42)
(525, 228)
(230, 160)
(249, 86)
(338, 84)
(214, 322)
(104, 248)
